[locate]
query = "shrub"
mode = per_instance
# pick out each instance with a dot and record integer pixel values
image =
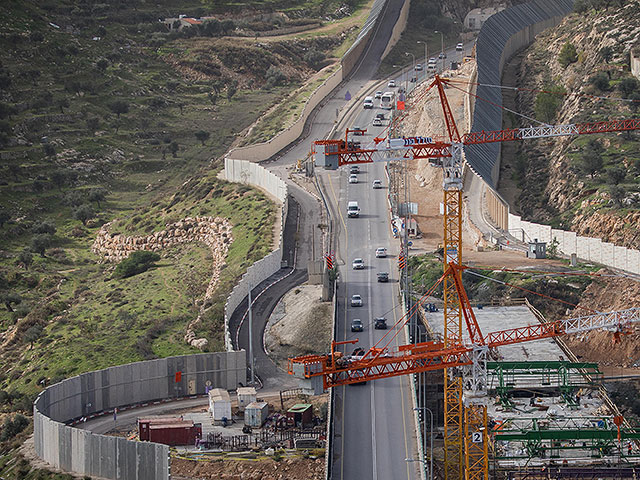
(600, 81)
(548, 102)
(568, 55)
(13, 427)
(136, 263)
(628, 86)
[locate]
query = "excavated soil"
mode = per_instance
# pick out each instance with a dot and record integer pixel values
(285, 469)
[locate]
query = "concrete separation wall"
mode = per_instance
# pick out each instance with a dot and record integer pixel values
(351, 57)
(80, 451)
(398, 28)
(585, 248)
(244, 171)
(265, 150)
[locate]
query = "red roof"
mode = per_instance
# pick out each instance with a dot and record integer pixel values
(192, 21)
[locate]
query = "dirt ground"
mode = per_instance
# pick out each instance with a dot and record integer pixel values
(285, 469)
(299, 325)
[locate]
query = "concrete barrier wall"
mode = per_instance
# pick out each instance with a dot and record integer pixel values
(244, 171)
(82, 452)
(586, 248)
(398, 28)
(351, 57)
(265, 150)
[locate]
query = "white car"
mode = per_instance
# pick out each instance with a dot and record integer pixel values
(391, 84)
(460, 47)
(356, 301)
(377, 184)
(442, 55)
(353, 178)
(418, 67)
(377, 122)
(358, 264)
(381, 252)
(378, 95)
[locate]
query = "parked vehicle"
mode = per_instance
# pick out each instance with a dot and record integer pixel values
(381, 252)
(377, 184)
(356, 301)
(358, 264)
(356, 325)
(380, 323)
(353, 210)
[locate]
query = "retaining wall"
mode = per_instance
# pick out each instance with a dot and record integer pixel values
(352, 56)
(244, 171)
(398, 28)
(85, 453)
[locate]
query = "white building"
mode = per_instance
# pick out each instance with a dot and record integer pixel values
(476, 17)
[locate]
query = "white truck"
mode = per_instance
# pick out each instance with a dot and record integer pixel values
(353, 210)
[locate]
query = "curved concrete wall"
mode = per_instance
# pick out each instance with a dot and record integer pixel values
(265, 150)
(398, 28)
(501, 36)
(244, 171)
(80, 451)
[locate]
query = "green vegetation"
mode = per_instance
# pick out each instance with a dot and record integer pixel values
(137, 262)
(548, 102)
(568, 55)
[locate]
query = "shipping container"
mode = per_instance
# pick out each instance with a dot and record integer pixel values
(246, 395)
(256, 414)
(219, 404)
(173, 434)
(144, 422)
(300, 415)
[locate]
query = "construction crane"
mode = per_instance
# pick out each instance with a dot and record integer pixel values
(461, 455)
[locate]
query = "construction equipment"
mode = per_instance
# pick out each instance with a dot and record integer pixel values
(463, 458)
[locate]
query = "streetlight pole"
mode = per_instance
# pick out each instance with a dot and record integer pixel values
(251, 338)
(426, 56)
(430, 439)
(413, 67)
(442, 45)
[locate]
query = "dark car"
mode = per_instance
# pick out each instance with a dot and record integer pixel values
(383, 276)
(380, 116)
(356, 325)
(354, 169)
(380, 323)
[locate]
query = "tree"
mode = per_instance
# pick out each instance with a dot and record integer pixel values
(59, 178)
(634, 98)
(45, 227)
(213, 97)
(11, 428)
(62, 102)
(591, 163)
(600, 81)
(83, 213)
(173, 148)
(40, 243)
(227, 26)
(9, 298)
(119, 107)
(202, 136)
(102, 64)
(135, 263)
(606, 53)
(314, 58)
(5, 216)
(26, 258)
(49, 150)
(616, 175)
(548, 102)
(93, 123)
(32, 334)
(628, 86)
(568, 55)
(97, 195)
(33, 74)
(275, 77)
(232, 88)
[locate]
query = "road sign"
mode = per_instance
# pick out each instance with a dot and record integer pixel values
(409, 243)
(400, 105)
(476, 437)
(395, 230)
(347, 96)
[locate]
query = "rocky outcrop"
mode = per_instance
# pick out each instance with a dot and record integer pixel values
(215, 232)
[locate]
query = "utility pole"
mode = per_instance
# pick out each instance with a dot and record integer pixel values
(251, 338)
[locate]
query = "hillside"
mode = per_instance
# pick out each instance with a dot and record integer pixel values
(578, 72)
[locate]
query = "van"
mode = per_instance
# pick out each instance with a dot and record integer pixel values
(353, 210)
(368, 102)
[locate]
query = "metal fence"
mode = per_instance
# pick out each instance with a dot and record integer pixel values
(80, 451)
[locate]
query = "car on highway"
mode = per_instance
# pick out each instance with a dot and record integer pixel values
(376, 122)
(380, 323)
(383, 277)
(353, 179)
(357, 130)
(356, 325)
(418, 67)
(391, 84)
(380, 116)
(442, 55)
(358, 264)
(377, 184)
(354, 169)
(356, 301)
(413, 79)
(378, 95)
(381, 252)
(368, 102)
(460, 47)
